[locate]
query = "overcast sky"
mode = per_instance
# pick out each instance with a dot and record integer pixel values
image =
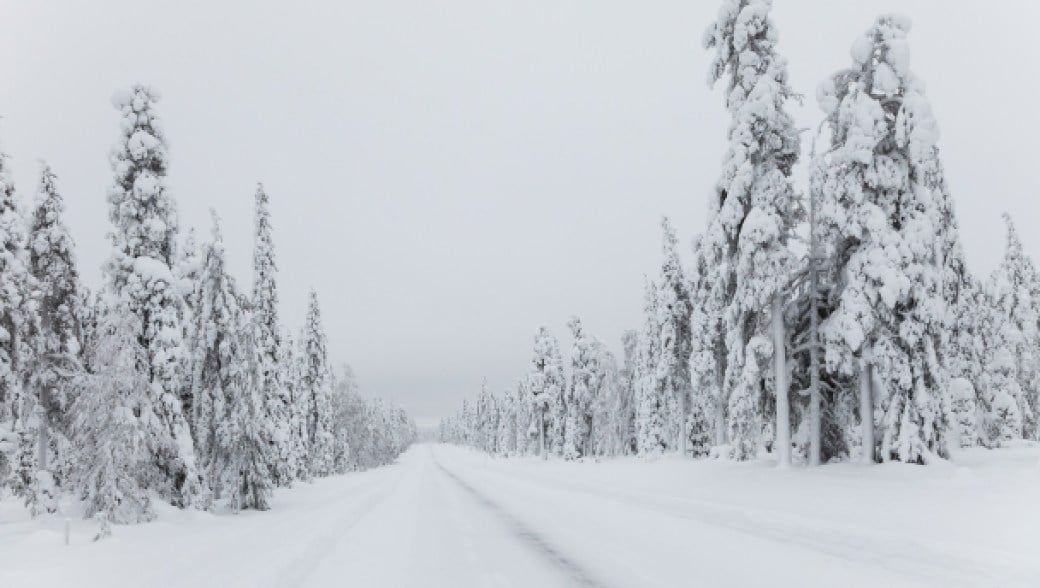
(451, 174)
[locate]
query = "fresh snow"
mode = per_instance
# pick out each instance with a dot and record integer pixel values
(448, 516)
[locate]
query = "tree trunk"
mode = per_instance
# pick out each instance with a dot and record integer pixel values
(783, 416)
(44, 441)
(866, 407)
(541, 434)
(683, 433)
(720, 398)
(815, 269)
(814, 413)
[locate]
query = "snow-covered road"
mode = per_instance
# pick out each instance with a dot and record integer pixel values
(444, 516)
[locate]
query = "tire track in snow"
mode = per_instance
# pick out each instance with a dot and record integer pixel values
(579, 575)
(325, 542)
(905, 556)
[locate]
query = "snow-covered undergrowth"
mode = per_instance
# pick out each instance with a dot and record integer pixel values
(449, 516)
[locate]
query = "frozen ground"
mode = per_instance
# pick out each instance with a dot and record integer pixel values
(444, 516)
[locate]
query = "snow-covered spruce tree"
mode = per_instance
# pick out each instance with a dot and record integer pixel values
(754, 214)
(276, 400)
(344, 408)
(89, 311)
(378, 433)
(526, 430)
(650, 405)
(401, 430)
(230, 426)
(607, 409)
(506, 435)
(492, 424)
(466, 423)
(878, 213)
(1015, 281)
(965, 357)
(709, 292)
(186, 270)
(140, 277)
(486, 421)
(380, 443)
(54, 338)
(828, 423)
(546, 386)
(13, 274)
(299, 446)
(707, 351)
(244, 452)
(624, 408)
(215, 352)
(557, 410)
(960, 344)
(1000, 417)
(675, 347)
(364, 441)
(581, 392)
(19, 418)
(116, 447)
(316, 387)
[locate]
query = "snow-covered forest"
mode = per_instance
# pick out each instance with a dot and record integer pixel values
(172, 381)
(821, 320)
(810, 386)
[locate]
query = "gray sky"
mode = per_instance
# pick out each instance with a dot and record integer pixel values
(450, 174)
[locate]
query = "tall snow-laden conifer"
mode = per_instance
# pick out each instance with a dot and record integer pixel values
(186, 270)
(708, 295)
(276, 400)
(507, 424)
(965, 356)
(958, 349)
(624, 428)
(581, 394)
(1015, 282)
(230, 426)
(676, 340)
(299, 446)
(650, 402)
(116, 447)
(1001, 421)
(526, 428)
(316, 386)
(546, 386)
(144, 220)
(606, 404)
(88, 313)
(18, 415)
(344, 405)
(55, 337)
(753, 214)
(487, 420)
(878, 214)
(243, 459)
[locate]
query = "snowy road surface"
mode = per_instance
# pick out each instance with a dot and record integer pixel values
(444, 516)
